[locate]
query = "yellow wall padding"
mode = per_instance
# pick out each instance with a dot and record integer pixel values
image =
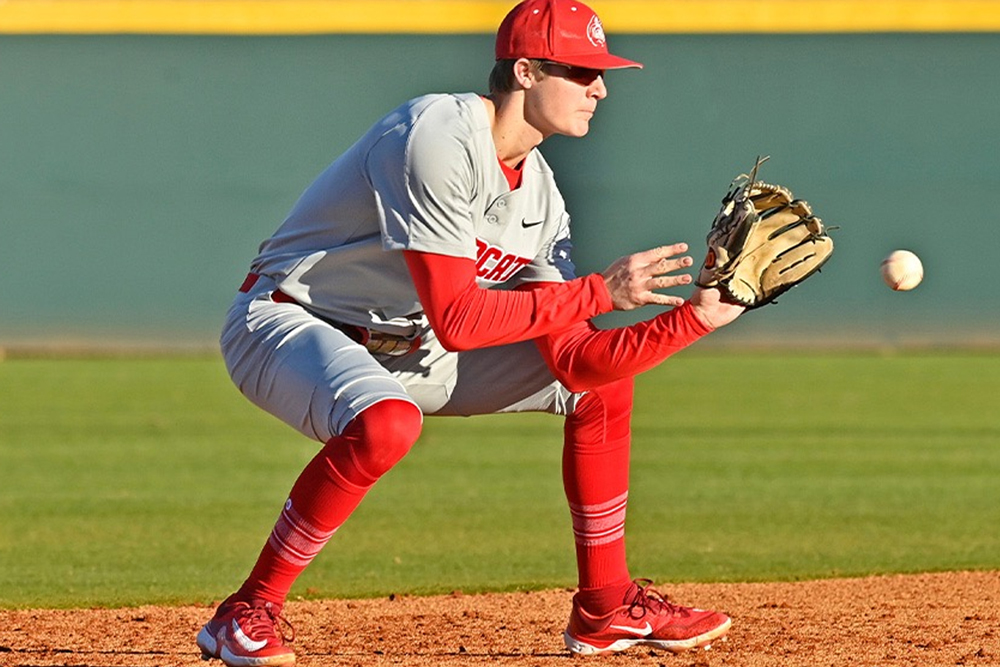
(288, 17)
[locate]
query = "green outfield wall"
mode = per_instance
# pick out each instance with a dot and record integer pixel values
(138, 173)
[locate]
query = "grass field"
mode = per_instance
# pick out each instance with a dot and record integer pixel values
(135, 481)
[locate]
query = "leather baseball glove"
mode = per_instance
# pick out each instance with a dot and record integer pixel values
(762, 243)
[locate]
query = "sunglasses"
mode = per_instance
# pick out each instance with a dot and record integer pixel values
(581, 75)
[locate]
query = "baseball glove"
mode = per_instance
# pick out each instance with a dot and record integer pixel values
(762, 243)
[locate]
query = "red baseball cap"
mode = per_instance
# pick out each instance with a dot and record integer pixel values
(563, 31)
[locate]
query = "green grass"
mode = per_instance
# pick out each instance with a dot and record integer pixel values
(132, 481)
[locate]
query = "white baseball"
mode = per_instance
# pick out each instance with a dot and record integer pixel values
(902, 270)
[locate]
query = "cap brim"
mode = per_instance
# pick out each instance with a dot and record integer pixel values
(598, 61)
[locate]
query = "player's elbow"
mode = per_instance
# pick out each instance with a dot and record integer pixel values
(454, 341)
(453, 331)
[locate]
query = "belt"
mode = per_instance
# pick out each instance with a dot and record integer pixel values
(376, 342)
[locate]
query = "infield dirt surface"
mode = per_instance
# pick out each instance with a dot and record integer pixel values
(922, 620)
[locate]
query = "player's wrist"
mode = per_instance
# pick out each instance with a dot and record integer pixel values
(602, 293)
(711, 310)
(698, 315)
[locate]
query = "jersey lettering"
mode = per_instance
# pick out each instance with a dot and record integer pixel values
(496, 265)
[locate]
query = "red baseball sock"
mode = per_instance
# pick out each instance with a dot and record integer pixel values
(327, 491)
(595, 478)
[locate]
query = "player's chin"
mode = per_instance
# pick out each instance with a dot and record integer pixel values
(579, 129)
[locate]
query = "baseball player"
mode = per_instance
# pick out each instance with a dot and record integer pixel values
(371, 307)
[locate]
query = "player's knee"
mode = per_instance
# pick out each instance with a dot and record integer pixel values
(383, 434)
(607, 402)
(617, 396)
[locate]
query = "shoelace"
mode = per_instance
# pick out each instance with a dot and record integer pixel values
(263, 620)
(648, 599)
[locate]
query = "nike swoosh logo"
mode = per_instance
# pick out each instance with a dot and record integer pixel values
(247, 644)
(526, 224)
(642, 632)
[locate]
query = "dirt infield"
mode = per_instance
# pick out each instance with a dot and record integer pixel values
(921, 620)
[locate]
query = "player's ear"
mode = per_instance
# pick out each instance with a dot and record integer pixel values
(525, 73)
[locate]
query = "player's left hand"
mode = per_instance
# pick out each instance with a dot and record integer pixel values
(712, 310)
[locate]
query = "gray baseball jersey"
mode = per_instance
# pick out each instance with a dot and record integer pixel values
(425, 177)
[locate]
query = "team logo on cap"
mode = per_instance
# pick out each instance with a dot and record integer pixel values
(595, 31)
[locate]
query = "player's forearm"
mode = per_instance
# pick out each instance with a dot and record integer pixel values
(584, 357)
(465, 317)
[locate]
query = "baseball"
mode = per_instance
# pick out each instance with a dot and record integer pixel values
(902, 270)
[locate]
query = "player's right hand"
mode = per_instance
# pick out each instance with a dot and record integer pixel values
(631, 280)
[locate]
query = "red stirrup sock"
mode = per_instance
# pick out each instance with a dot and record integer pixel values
(326, 493)
(595, 478)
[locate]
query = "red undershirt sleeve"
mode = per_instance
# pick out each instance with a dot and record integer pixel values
(465, 316)
(583, 357)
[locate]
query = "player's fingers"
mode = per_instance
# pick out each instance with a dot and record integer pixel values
(630, 280)
(665, 300)
(670, 265)
(666, 282)
(654, 255)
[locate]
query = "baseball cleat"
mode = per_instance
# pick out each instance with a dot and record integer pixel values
(245, 634)
(647, 619)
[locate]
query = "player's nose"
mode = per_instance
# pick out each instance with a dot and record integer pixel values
(597, 88)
